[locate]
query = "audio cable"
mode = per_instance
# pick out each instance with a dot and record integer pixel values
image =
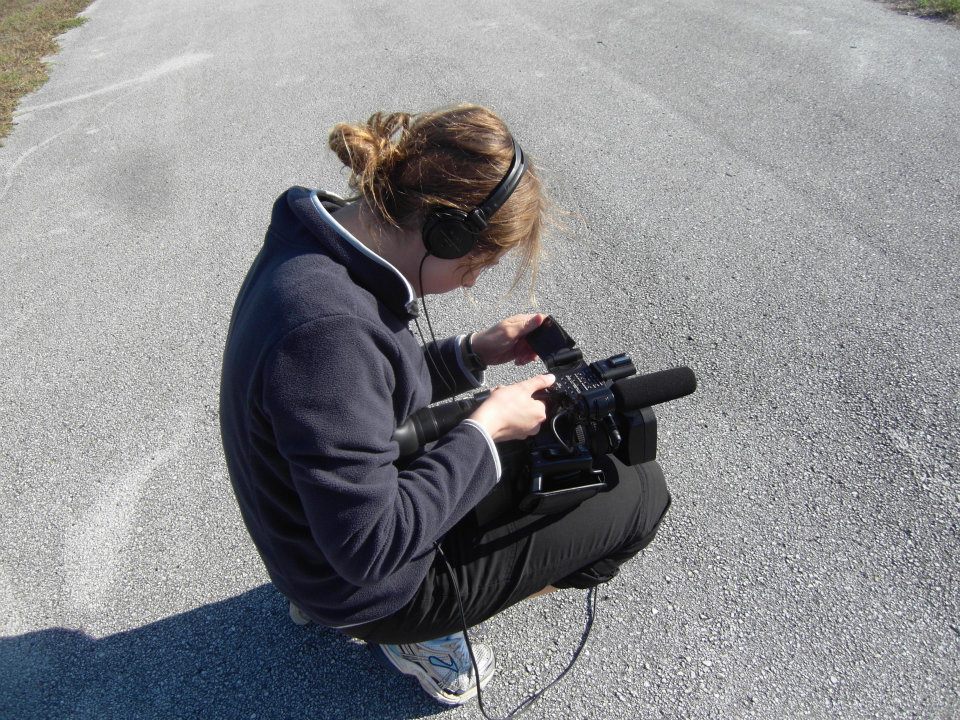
(530, 700)
(450, 382)
(447, 375)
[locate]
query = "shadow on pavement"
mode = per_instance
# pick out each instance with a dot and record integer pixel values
(239, 658)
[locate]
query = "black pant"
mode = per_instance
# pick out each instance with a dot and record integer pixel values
(503, 562)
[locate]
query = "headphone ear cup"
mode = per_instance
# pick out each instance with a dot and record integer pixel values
(447, 235)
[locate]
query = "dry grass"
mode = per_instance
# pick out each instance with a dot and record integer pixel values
(28, 31)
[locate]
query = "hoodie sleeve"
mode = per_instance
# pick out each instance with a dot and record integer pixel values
(448, 370)
(328, 391)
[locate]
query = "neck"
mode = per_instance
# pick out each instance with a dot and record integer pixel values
(401, 248)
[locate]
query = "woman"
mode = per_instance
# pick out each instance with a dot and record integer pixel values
(321, 366)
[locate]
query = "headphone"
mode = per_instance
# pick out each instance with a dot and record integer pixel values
(450, 233)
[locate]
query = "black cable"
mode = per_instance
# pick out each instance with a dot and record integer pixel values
(432, 361)
(447, 375)
(556, 433)
(528, 702)
(591, 594)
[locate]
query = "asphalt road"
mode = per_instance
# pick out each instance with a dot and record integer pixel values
(768, 192)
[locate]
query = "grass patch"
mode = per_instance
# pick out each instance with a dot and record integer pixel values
(948, 10)
(28, 31)
(947, 7)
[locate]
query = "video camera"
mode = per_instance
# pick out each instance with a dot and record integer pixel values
(592, 410)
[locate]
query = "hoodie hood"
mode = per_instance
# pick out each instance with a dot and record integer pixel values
(367, 268)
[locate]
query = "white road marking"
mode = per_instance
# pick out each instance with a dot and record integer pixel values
(172, 65)
(95, 544)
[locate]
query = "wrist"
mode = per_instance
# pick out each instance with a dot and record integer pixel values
(488, 421)
(473, 358)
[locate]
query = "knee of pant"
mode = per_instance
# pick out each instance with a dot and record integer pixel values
(595, 575)
(656, 501)
(658, 494)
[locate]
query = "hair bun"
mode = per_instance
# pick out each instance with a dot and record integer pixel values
(371, 148)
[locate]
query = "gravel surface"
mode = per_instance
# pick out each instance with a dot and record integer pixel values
(767, 192)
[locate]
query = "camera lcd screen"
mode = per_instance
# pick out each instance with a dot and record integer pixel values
(549, 338)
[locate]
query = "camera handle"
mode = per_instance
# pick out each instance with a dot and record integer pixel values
(561, 477)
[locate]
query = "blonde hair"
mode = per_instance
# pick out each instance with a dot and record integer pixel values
(404, 165)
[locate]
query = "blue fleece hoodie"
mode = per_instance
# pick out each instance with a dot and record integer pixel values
(320, 367)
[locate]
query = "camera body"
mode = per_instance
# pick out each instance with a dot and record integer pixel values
(583, 423)
(593, 410)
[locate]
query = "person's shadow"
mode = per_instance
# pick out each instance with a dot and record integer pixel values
(240, 658)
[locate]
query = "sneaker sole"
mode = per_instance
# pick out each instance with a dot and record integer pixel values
(415, 671)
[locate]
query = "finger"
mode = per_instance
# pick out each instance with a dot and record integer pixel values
(539, 382)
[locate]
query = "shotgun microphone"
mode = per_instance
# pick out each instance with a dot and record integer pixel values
(642, 391)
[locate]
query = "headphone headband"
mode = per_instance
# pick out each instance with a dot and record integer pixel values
(480, 216)
(450, 233)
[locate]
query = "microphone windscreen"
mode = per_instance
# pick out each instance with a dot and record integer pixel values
(642, 391)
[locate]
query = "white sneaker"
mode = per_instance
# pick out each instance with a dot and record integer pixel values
(442, 666)
(298, 616)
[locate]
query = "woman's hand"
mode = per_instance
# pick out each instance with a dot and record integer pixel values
(505, 340)
(511, 412)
